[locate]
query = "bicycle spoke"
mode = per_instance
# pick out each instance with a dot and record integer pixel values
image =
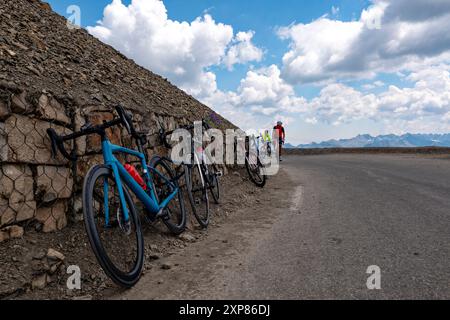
(118, 240)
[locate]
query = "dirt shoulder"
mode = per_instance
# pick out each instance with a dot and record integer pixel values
(203, 269)
(28, 271)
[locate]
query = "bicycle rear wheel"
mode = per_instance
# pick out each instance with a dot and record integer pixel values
(175, 214)
(255, 170)
(198, 194)
(213, 182)
(117, 244)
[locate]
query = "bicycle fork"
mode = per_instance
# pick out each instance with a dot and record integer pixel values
(123, 203)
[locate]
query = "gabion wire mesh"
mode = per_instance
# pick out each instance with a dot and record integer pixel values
(25, 141)
(16, 194)
(35, 186)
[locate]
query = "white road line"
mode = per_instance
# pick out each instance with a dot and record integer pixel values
(297, 200)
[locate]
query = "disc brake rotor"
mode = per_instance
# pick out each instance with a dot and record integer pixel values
(124, 226)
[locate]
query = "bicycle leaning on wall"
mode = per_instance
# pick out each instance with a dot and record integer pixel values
(111, 219)
(253, 160)
(200, 175)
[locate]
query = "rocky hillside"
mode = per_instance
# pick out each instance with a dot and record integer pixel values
(39, 53)
(53, 76)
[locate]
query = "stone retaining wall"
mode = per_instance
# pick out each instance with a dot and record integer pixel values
(36, 190)
(56, 77)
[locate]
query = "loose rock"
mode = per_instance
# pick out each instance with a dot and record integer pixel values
(52, 254)
(16, 232)
(39, 282)
(187, 237)
(166, 266)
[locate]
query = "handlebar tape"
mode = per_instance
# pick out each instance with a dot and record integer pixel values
(58, 144)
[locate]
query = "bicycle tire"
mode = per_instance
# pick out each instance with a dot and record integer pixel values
(161, 165)
(252, 170)
(198, 193)
(125, 279)
(214, 185)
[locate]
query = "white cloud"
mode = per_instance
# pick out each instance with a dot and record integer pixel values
(182, 51)
(390, 36)
(315, 46)
(243, 50)
(263, 110)
(383, 40)
(429, 97)
(335, 10)
(264, 92)
(261, 97)
(374, 85)
(428, 100)
(312, 120)
(263, 86)
(338, 104)
(403, 37)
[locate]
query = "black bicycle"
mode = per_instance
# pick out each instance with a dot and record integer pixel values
(255, 167)
(199, 176)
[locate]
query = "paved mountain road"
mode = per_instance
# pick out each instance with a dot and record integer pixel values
(326, 219)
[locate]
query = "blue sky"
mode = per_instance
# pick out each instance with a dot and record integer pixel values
(328, 69)
(262, 16)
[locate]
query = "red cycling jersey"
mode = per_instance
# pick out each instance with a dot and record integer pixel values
(280, 132)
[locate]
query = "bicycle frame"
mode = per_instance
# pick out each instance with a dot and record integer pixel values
(121, 175)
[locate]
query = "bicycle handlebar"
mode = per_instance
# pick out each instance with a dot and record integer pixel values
(127, 120)
(163, 133)
(57, 141)
(58, 144)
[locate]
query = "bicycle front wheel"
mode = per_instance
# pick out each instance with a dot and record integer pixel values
(118, 244)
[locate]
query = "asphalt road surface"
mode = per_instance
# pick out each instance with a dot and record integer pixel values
(326, 220)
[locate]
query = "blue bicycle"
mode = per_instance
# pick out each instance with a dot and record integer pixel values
(111, 220)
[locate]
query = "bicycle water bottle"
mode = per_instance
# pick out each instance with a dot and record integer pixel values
(136, 176)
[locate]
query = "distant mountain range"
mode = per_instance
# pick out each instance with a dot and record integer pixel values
(386, 141)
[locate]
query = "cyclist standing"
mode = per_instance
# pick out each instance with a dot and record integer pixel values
(280, 133)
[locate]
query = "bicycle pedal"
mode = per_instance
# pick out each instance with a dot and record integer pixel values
(162, 214)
